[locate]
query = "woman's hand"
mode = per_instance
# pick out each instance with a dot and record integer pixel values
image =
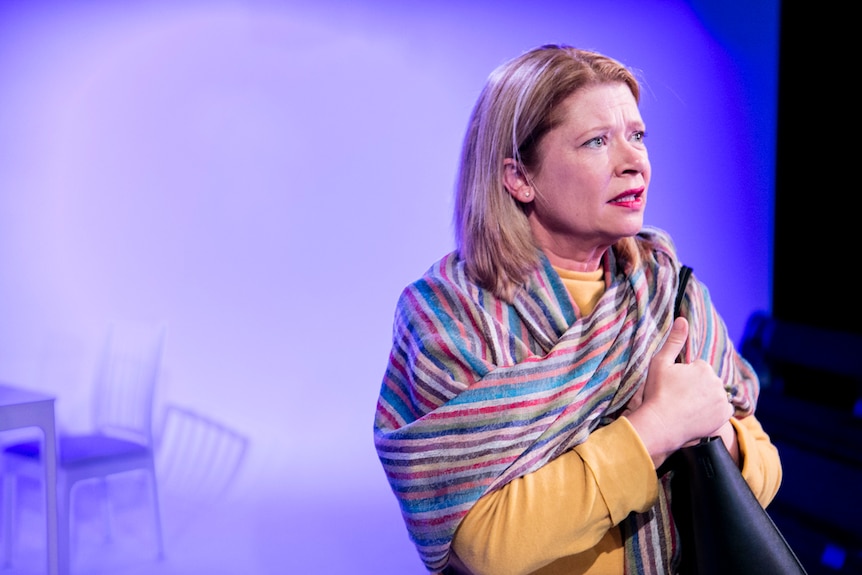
(680, 403)
(728, 436)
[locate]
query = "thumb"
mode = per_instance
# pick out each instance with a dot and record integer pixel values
(674, 343)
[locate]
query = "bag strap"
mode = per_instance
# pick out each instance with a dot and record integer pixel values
(684, 274)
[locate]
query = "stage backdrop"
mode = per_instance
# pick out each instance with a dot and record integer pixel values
(265, 177)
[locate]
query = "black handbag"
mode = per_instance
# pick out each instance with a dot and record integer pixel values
(723, 530)
(722, 527)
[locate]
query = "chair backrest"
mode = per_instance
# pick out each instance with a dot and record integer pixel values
(197, 458)
(769, 342)
(811, 406)
(126, 379)
(819, 365)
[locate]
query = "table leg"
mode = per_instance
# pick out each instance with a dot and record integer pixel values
(58, 551)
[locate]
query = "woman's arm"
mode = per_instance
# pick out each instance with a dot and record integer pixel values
(761, 466)
(567, 507)
(563, 509)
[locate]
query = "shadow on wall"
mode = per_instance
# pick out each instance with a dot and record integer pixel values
(197, 460)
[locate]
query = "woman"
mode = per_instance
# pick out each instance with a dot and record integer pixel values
(533, 389)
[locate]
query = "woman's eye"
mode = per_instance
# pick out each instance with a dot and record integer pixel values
(639, 136)
(596, 142)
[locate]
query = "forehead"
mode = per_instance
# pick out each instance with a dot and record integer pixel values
(598, 102)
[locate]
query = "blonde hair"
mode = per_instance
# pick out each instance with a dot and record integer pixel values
(515, 109)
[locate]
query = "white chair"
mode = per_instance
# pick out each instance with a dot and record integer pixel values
(120, 441)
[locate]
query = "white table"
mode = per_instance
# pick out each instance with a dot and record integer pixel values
(20, 408)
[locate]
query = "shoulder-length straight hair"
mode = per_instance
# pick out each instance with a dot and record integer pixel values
(515, 109)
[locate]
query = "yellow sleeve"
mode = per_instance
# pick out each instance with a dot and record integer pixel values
(564, 508)
(761, 466)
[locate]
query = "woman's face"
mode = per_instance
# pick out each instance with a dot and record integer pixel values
(589, 188)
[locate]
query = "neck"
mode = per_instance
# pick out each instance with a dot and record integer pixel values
(586, 262)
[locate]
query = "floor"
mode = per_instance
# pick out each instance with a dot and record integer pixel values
(303, 532)
(316, 530)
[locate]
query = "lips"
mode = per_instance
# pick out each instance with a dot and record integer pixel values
(628, 197)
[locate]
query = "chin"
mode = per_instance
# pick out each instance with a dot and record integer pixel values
(632, 228)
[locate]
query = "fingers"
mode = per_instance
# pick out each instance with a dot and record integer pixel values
(731, 410)
(674, 343)
(679, 402)
(710, 395)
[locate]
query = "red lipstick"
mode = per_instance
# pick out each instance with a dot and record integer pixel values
(630, 198)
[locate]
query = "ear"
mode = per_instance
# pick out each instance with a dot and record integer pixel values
(516, 183)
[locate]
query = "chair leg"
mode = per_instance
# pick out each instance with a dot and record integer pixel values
(157, 514)
(9, 510)
(64, 524)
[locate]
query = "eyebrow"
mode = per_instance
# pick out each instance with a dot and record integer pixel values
(602, 128)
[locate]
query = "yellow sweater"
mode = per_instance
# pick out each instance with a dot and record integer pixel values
(563, 519)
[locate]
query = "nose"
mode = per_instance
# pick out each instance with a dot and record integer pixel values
(631, 158)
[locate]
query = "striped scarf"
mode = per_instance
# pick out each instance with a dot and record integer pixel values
(479, 392)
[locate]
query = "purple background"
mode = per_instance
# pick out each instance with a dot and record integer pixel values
(265, 177)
